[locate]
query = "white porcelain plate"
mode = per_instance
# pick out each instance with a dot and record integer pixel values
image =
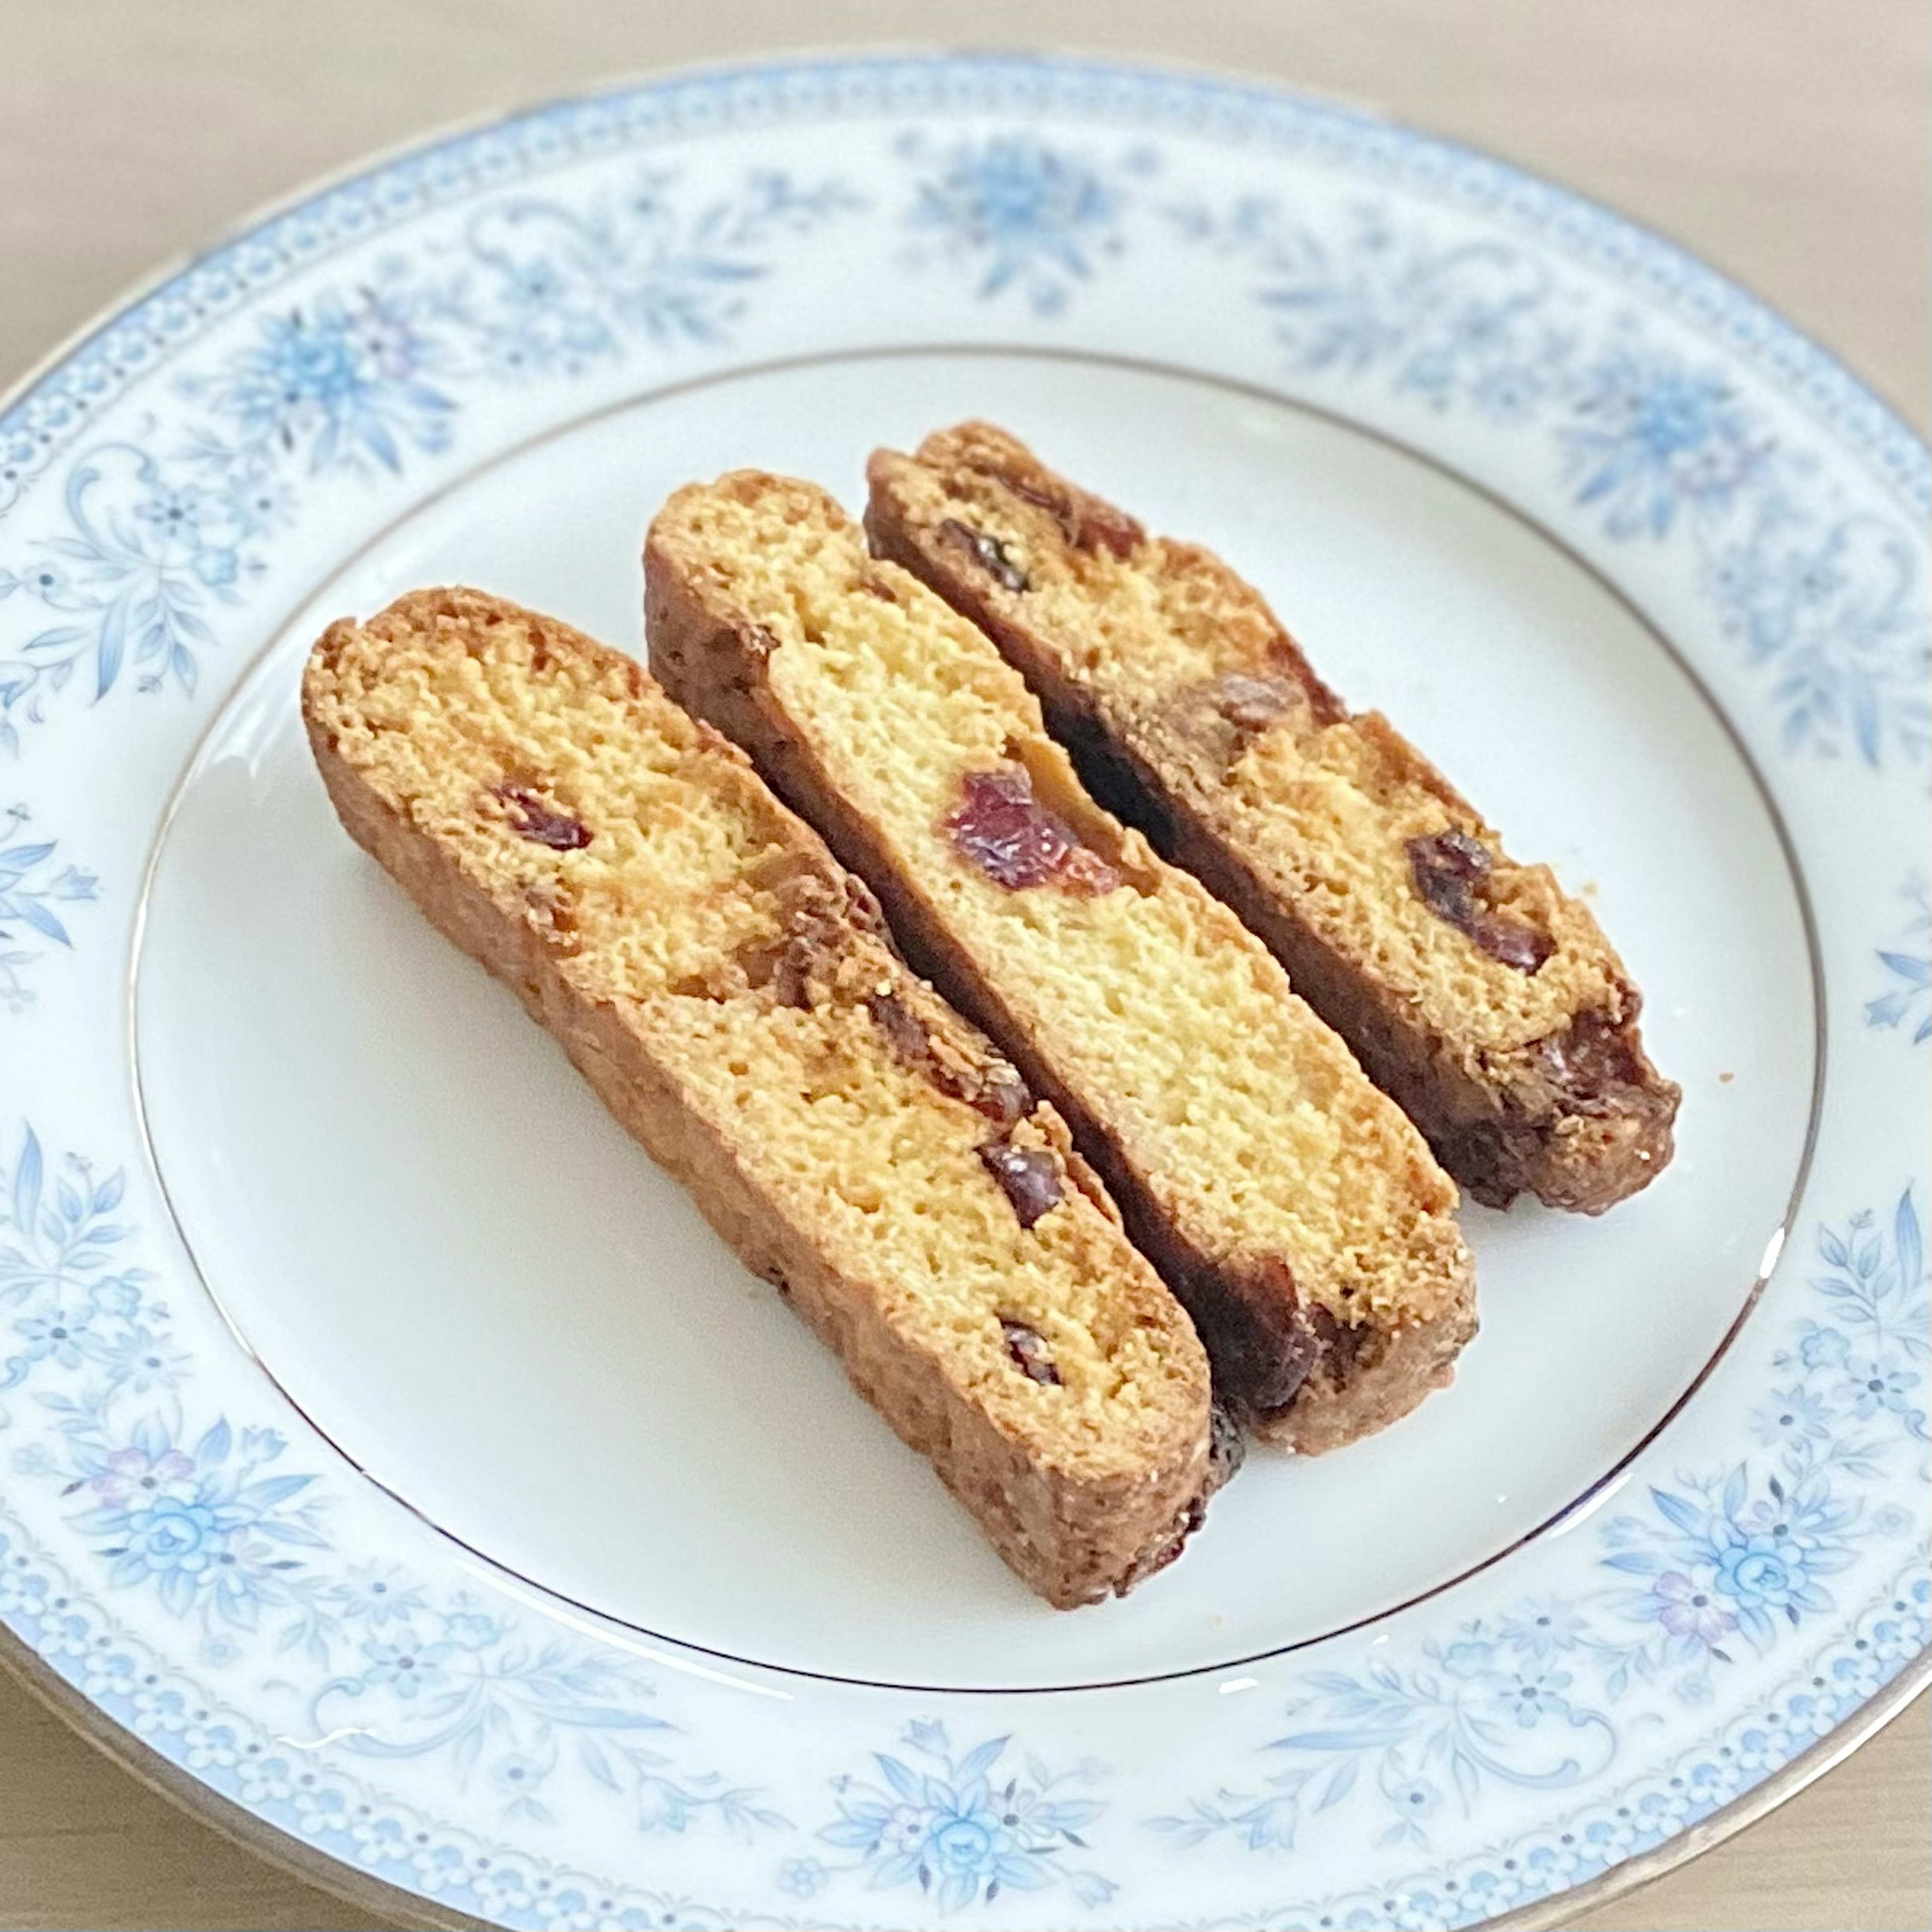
(388, 1445)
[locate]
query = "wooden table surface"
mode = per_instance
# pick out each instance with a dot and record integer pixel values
(1786, 141)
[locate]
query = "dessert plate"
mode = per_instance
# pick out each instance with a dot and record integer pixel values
(391, 1461)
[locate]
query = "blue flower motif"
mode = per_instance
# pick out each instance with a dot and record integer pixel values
(1823, 1347)
(1871, 1385)
(1794, 1414)
(344, 379)
(1837, 617)
(1649, 437)
(356, 381)
(30, 888)
(803, 1878)
(376, 1594)
(1530, 1698)
(1022, 213)
(1543, 1630)
(1906, 1007)
(205, 1526)
(60, 1333)
(1766, 1572)
(1832, 606)
(554, 290)
(405, 1666)
(951, 1831)
(472, 1630)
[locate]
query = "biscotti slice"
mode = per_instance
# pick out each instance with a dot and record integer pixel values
(726, 988)
(1289, 1204)
(1474, 989)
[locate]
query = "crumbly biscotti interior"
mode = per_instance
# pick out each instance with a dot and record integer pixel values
(1156, 628)
(668, 883)
(1410, 922)
(1258, 1131)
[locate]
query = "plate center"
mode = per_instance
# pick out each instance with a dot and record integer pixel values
(489, 1298)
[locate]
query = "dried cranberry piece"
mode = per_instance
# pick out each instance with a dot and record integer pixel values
(1341, 1341)
(1086, 522)
(988, 552)
(1451, 871)
(1510, 942)
(1003, 1097)
(1591, 1058)
(1447, 867)
(1017, 842)
(900, 1024)
(1028, 1350)
(1029, 1178)
(539, 821)
(1251, 704)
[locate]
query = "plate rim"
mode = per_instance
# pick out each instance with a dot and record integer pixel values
(368, 1891)
(361, 1886)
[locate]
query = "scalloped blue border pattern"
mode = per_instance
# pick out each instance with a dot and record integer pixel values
(1740, 1556)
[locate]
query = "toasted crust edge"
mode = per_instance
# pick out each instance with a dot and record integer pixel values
(715, 664)
(1074, 1539)
(1502, 1126)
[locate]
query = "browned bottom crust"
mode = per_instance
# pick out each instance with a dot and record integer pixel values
(1581, 1120)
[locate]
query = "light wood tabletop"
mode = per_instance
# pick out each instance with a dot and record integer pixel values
(1787, 143)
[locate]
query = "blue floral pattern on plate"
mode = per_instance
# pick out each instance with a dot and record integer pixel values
(1019, 214)
(963, 1825)
(187, 1554)
(32, 884)
(200, 1517)
(1905, 1006)
(364, 378)
(1833, 609)
(1723, 1557)
(206, 1517)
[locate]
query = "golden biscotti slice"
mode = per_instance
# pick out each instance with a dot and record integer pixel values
(1473, 988)
(726, 988)
(1288, 1203)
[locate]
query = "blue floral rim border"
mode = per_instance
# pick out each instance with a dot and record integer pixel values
(55, 403)
(1723, 1561)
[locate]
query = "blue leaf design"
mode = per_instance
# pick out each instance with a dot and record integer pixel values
(43, 921)
(977, 1760)
(906, 1782)
(17, 861)
(1685, 1515)
(1369, 1737)
(27, 1184)
(110, 647)
(273, 1489)
(852, 1833)
(1907, 1243)
(1737, 1487)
